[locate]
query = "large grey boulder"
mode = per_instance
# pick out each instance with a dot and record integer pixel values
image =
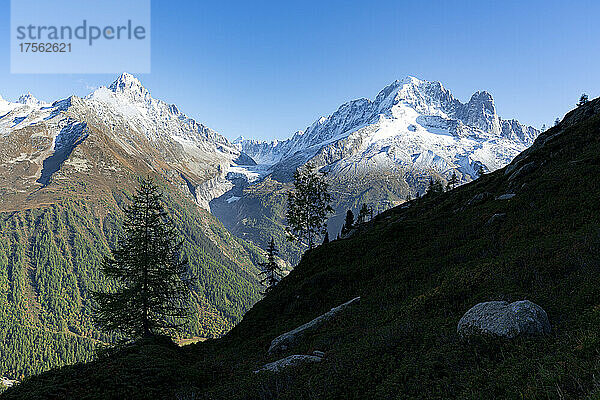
(499, 318)
(288, 339)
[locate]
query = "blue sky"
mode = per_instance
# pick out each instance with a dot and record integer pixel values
(265, 69)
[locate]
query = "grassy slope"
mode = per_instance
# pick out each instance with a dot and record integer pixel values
(418, 270)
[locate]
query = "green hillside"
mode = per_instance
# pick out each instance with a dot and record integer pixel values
(417, 270)
(49, 265)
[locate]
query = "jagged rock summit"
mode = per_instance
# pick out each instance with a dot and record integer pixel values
(29, 100)
(407, 120)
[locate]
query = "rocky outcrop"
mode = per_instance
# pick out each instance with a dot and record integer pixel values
(524, 170)
(292, 361)
(479, 198)
(496, 219)
(505, 196)
(499, 318)
(289, 339)
(480, 112)
(211, 189)
(514, 130)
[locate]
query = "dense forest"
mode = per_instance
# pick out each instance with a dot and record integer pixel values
(49, 265)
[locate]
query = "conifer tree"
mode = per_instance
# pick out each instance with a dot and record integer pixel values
(152, 287)
(308, 206)
(349, 221)
(270, 269)
(584, 99)
(435, 187)
(363, 213)
(556, 122)
(326, 238)
(453, 181)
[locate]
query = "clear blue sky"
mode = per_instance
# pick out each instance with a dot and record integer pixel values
(265, 69)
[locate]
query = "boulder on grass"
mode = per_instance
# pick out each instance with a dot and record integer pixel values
(499, 318)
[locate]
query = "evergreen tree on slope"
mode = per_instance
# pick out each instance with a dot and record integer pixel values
(308, 206)
(152, 293)
(270, 269)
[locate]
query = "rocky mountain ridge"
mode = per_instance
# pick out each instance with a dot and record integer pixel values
(375, 152)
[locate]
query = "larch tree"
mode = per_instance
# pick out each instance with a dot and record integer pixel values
(270, 268)
(348, 222)
(435, 187)
(152, 291)
(308, 206)
(584, 99)
(453, 181)
(363, 214)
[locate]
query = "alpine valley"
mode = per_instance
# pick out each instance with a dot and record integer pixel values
(68, 168)
(66, 171)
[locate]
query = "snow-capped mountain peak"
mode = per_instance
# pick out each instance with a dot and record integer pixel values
(382, 151)
(148, 130)
(408, 118)
(5, 107)
(29, 100)
(129, 86)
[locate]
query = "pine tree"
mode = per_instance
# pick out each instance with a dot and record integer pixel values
(270, 269)
(326, 238)
(308, 206)
(152, 287)
(556, 122)
(453, 181)
(543, 129)
(583, 100)
(363, 213)
(349, 221)
(435, 187)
